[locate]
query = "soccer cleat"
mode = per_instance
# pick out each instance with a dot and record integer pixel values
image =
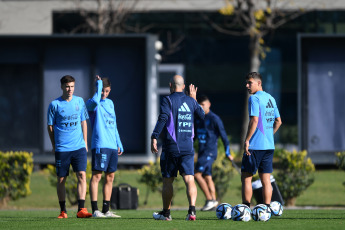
(98, 214)
(111, 214)
(191, 216)
(160, 216)
(209, 205)
(83, 213)
(62, 215)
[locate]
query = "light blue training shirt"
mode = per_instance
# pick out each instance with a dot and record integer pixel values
(263, 106)
(103, 121)
(66, 117)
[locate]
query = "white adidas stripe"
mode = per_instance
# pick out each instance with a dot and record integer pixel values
(186, 106)
(182, 109)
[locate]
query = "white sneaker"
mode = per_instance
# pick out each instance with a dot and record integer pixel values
(215, 204)
(111, 214)
(98, 214)
(160, 216)
(209, 205)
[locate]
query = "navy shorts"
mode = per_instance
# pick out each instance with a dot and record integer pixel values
(77, 158)
(259, 160)
(204, 165)
(171, 164)
(104, 159)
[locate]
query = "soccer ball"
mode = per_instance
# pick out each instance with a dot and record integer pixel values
(223, 211)
(277, 208)
(240, 212)
(261, 213)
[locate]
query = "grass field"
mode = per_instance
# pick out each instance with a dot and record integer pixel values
(142, 219)
(327, 190)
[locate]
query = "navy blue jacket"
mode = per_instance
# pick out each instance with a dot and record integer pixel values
(207, 132)
(176, 117)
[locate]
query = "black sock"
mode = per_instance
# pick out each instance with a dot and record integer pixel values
(268, 205)
(81, 204)
(63, 206)
(248, 204)
(94, 206)
(191, 210)
(106, 205)
(166, 212)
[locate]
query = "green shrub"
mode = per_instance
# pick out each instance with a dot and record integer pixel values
(151, 176)
(341, 161)
(71, 182)
(15, 175)
(222, 171)
(296, 174)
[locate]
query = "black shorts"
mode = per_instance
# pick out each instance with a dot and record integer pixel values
(259, 160)
(77, 158)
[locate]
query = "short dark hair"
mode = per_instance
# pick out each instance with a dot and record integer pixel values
(66, 79)
(254, 75)
(202, 98)
(106, 82)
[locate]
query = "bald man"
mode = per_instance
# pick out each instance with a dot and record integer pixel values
(176, 117)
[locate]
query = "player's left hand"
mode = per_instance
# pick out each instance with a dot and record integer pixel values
(246, 147)
(154, 148)
(87, 149)
(192, 91)
(231, 158)
(119, 152)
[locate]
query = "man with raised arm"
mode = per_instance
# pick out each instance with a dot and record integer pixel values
(177, 112)
(106, 145)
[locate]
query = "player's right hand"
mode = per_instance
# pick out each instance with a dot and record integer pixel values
(246, 147)
(192, 91)
(154, 148)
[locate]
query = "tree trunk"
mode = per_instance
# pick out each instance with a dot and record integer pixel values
(291, 202)
(254, 47)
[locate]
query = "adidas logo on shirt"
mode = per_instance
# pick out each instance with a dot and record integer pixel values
(269, 104)
(184, 108)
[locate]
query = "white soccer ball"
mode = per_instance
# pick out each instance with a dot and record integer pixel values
(241, 212)
(261, 213)
(223, 211)
(277, 208)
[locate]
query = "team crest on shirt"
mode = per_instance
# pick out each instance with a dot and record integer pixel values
(76, 107)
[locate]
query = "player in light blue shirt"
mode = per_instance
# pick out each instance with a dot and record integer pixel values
(259, 143)
(106, 145)
(67, 130)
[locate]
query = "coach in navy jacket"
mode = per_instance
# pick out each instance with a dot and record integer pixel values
(176, 118)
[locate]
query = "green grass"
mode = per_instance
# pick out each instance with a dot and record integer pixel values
(291, 219)
(327, 190)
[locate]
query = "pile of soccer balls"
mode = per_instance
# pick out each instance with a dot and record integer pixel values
(242, 212)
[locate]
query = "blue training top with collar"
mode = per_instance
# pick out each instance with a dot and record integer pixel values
(103, 121)
(176, 117)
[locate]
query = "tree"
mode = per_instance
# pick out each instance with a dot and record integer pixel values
(254, 18)
(107, 17)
